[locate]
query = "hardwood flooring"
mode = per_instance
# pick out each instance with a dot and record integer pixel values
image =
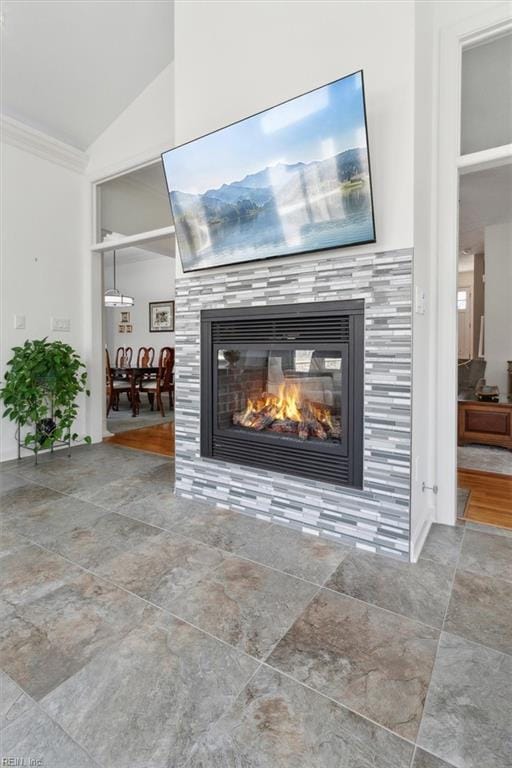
(490, 499)
(156, 439)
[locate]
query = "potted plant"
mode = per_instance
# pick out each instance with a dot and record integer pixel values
(42, 384)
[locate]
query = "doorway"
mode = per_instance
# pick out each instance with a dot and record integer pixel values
(136, 242)
(484, 288)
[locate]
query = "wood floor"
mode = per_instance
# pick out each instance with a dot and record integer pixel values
(156, 439)
(490, 499)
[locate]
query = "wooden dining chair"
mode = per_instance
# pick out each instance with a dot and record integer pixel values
(120, 357)
(164, 382)
(145, 357)
(128, 354)
(114, 387)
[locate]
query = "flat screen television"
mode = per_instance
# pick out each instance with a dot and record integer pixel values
(292, 179)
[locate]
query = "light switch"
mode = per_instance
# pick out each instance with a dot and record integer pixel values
(60, 324)
(419, 301)
(19, 322)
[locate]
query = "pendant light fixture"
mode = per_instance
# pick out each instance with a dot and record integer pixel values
(114, 298)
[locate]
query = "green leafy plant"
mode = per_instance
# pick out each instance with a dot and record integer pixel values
(42, 384)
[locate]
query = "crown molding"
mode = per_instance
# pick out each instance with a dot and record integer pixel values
(40, 144)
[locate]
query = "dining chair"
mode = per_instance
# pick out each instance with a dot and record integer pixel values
(114, 387)
(164, 382)
(145, 357)
(128, 354)
(120, 357)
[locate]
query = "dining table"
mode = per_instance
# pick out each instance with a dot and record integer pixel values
(134, 374)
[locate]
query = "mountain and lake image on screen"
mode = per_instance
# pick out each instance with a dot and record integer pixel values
(292, 179)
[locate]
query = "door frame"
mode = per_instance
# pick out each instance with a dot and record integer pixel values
(491, 23)
(96, 403)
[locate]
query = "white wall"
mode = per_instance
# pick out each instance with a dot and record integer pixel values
(42, 257)
(137, 136)
(148, 280)
(141, 132)
(498, 304)
(233, 59)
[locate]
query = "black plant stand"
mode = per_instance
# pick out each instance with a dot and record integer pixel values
(37, 448)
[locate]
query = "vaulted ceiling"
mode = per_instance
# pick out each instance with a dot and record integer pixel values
(70, 68)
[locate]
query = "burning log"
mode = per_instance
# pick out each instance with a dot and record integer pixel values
(289, 413)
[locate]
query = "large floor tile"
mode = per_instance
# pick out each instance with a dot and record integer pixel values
(245, 604)
(144, 702)
(418, 590)
(487, 554)
(25, 499)
(424, 759)
(9, 481)
(374, 662)
(480, 609)
(220, 528)
(443, 544)
(45, 640)
(299, 554)
(94, 545)
(29, 573)
(468, 711)
(48, 519)
(278, 722)
(492, 529)
(162, 509)
(13, 701)
(161, 568)
(34, 736)
(122, 491)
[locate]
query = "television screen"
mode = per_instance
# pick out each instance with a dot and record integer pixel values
(291, 179)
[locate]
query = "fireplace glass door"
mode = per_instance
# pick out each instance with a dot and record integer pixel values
(282, 389)
(282, 392)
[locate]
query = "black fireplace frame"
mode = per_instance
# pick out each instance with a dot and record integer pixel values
(341, 463)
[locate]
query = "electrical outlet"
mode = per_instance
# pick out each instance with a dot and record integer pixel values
(60, 324)
(19, 322)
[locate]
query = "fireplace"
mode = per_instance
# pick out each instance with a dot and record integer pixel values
(282, 388)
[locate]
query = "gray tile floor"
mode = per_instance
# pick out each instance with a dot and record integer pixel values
(143, 631)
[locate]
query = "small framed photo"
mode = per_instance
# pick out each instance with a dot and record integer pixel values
(129, 328)
(125, 317)
(161, 316)
(120, 328)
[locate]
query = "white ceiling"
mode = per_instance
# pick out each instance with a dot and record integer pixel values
(70, 68)
(485, 198)
(134, 255)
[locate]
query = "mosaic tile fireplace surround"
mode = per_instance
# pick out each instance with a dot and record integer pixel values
(374, 517)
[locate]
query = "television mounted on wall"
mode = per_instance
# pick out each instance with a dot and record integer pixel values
(292, 179)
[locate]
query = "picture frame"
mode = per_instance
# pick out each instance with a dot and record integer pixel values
(129, 328)
(120, 328)
(125, 317)
(161, 316)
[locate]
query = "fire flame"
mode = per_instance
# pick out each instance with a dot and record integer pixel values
(289, 404)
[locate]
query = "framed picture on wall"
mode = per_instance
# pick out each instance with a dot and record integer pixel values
(129, 328)
(161, 316)
(125, 317)
(120, 328)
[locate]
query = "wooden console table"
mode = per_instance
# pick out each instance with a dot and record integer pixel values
(485, 422)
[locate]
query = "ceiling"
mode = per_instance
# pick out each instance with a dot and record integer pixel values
(134, 255)
(485, 198)
(70, 68)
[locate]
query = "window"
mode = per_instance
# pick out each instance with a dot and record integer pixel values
(462, 300)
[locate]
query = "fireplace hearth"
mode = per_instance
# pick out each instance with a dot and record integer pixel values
(282, 388)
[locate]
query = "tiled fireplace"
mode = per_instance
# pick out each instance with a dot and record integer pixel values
(250, 408)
